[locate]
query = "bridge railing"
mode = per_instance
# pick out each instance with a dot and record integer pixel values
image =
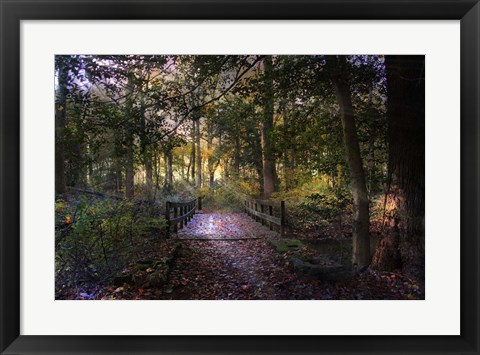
(263, 211)
(178, 214)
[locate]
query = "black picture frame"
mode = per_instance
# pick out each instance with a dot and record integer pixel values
(14, 11)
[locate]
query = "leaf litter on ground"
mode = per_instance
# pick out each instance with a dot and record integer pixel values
(227, 256)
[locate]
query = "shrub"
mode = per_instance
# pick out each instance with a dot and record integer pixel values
(329, 205)
(96, 238)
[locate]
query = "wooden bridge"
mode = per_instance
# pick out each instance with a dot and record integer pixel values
(263, 211)
(266, 212)
(178, 214)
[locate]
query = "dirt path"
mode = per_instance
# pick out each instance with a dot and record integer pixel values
(227, 256)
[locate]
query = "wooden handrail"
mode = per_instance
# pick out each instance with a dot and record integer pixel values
(182, 214)
(265, 214)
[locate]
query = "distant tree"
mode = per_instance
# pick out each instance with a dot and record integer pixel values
(62, 68)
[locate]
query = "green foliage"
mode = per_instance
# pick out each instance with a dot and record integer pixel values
(327, 205)
(96, 238)
(315, 202)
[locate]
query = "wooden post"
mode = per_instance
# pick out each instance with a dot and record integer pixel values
(182, 212)
(185, 210)
(262, 209)
(200, 203)
(282, 218)
(256, 209)
(270, 212)
(175, 215)
(167, 219)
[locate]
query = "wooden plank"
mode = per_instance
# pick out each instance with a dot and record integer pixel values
(181, 204)
(263, 202)
(282, 218)
(177, 219)
(266, 217)
(270, 212)
(175, 215)
(182, 213)
(262, 211)
(167, 218)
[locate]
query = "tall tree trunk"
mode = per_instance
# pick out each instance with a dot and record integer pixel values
(147, 159)
(129, 145)
(60, 117)
(210, 158)
(156, 169)
(129, 167)
(361, 237)
(193, 160)
(188, 167)
(146, 152)
(257, 148)
(182, 166)
(287, 162)
(170, 167)
(268, 160)
(75, 171)
(199, 152)
(118, 175)
(404, 247)
(236, 161)
(89, 165)
(211, 178)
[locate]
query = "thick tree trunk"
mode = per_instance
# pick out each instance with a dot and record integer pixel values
(60, 117)
(404, 247)
(361, 237)
(268, 160)
(257, 148)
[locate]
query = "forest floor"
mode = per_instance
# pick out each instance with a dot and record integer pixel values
(228, 256)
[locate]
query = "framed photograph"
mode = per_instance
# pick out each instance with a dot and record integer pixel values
(239, 177)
